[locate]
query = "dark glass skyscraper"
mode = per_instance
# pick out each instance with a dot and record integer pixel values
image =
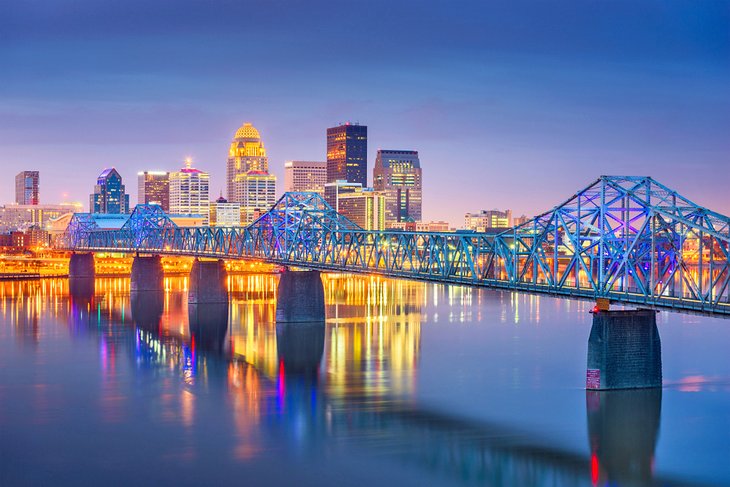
(26, 188)
(109, 195)
(347, 154)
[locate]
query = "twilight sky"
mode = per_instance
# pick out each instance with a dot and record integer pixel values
(511, 104)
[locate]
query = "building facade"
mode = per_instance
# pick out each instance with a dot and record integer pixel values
(305, 176)
(488, 220)
(335, 189)
(256, 192)
(189, 192)
(362, 206)
(225, 214)
(347, 154)
(397, 174)
(153, 187)
(246, 153)
(21, 217)
(109, 194)
(26, 188)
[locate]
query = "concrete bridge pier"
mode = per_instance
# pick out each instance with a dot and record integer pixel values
(208, 282)
(81, 265)
(300, 297)
(147, 274)
(624, 350)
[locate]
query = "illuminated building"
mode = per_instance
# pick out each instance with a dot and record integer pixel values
(246, 153)
(520, 220)
(225, 214)
(26, 188)
(154, 188)
(347, 154)
(397, 173)
(19, 217)
(256, 192)
(109, 195)
(487, 220)
(305, 176)
(362, 206)
(189, 192)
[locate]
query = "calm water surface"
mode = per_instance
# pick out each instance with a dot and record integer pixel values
(405, 384)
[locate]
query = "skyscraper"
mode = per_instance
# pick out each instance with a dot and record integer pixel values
(154, 188)
(246, 153)
(397, 173)
(256, 191)
(347, 154)
(362, 206)
(26, 188)
(109, 194)
(305, 176)
(189, 192)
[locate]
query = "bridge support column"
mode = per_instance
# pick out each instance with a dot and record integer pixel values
(208, 282)
(81, 266)
(147, 274)
(624, 350)
(300, 297)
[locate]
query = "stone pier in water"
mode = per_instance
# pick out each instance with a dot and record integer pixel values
(147, 274)
(624, 350)
(208, 282)
(300, 297)
(81, 266)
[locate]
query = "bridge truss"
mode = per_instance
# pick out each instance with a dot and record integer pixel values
(629, 239)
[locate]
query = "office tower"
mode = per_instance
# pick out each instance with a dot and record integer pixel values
(153, 187)
(256, 192)
(225, 214)
(246, 153)
(488, 220)
(189, 192)
(305, 176)
(26, 188)
(397, 174)
(109, 194)
(347, 154)
(362, 206)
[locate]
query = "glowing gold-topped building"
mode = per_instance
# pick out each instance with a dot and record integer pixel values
(247, 153)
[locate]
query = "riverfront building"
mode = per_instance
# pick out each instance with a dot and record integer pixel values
(189, 192)
(26, 188)
(305, 176)
(109, 194)
(488, 220)
(397, 174)
(225, 214)
(153, 187)
(347, 154)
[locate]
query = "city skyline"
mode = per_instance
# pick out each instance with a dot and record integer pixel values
(564, 94)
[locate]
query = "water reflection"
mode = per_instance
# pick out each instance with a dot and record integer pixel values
(299, 348)
(623, 427)
(208, 325)
(147, 309)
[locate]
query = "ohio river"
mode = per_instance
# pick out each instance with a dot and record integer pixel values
(406, 383)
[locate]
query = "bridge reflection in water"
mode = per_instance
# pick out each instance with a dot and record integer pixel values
(344, 380)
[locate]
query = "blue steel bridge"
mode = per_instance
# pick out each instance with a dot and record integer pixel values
(629, 239)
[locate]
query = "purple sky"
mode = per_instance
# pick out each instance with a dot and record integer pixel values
(510, 104)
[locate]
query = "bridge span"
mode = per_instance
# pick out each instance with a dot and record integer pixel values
(629, 239)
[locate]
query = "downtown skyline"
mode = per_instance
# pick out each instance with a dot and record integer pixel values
(511, 106)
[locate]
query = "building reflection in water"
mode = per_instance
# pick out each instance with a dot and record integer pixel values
(623, 427)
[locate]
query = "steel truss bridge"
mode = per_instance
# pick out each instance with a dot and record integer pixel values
(629, 239)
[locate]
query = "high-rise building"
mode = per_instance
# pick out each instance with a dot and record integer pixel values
(305, 176)
(189, 189)
(362, 206)
(225, 214)
(347, 154)
(153, 187)
(246, 153)
(488, 220)
(397, 174)
(26, 188)
(256, 192)
(109, 194)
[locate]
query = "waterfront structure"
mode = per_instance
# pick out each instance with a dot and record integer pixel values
(153, 187)
(397, 174)
(189, 192)
(305, 176)
(225, 214)
(26, 188)
(246, 153)
(21, 217)
(488, 220)
(109, 194)
(256, 193)
(347, 154)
